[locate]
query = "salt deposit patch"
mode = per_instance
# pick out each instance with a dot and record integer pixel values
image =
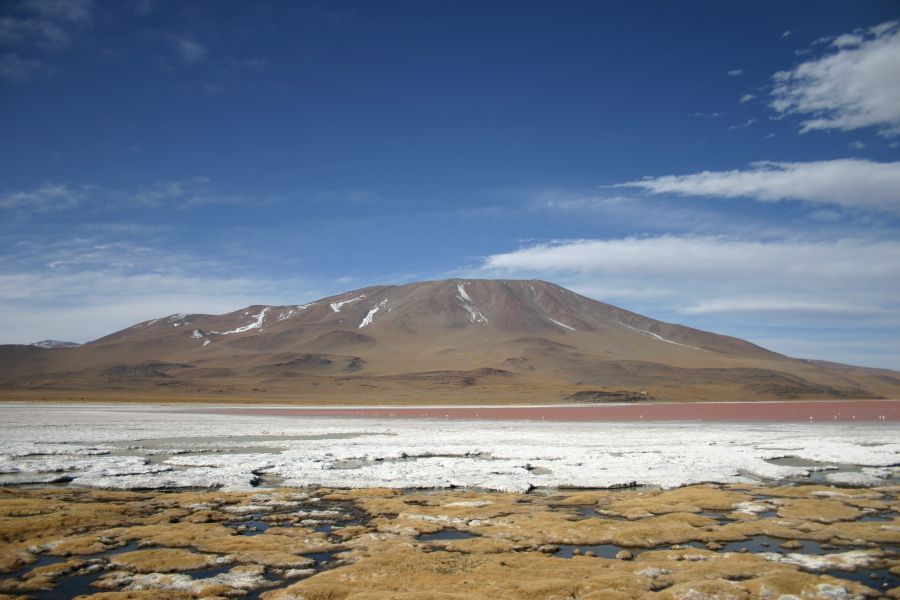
(414, 453)
(846, 561)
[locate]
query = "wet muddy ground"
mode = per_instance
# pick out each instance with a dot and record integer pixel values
(702, 541)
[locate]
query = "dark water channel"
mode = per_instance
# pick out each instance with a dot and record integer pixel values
(445, 534)
(601, 551)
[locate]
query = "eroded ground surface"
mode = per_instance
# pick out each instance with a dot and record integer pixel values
(704, 541)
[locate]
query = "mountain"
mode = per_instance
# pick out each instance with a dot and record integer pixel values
(452, 340)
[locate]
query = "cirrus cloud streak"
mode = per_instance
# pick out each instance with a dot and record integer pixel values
(848, 182)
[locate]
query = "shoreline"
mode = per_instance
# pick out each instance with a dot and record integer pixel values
(796, 411)
(786, 411)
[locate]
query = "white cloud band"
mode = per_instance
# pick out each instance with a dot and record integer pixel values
(847, 182)
(702, 257)
(755, 290)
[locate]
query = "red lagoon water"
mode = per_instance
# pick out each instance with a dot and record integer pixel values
(792, 411)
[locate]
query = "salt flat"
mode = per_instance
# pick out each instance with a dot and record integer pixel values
(152, 446)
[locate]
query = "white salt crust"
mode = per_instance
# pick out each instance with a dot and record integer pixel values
(86, 443)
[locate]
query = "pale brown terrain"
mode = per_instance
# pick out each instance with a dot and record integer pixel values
(703, 541)
(453, 341)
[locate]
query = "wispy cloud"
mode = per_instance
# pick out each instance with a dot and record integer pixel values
(743, 125)
(767, 305)
(143, 7)
(45, 198)
(75, 11)
(185, 193)
(81, 288)
(847, 40)
(180, 194)
(747, 98)
(345, 197)
(250, 64)
(876, 349)
(15, 69)
(848, 182)
(189, 52)
(735, 72)
(44, 23)
(610, 209)
(855, 84)
(562, 200)
(37, 26)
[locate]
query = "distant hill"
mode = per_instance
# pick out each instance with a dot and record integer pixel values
(451, 340)
(55, 344)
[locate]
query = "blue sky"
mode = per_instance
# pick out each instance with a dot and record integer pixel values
(730, 166)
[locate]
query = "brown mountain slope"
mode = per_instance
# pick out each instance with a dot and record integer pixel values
(452, 340)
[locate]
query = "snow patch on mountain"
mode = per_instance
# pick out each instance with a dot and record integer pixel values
(49, 344)
(287, 314)
(336, 306)
(257, 323)
(199, 334)
(659, 337)
(475, 315)
(368, 320)
(176, 320)
(562, 324)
